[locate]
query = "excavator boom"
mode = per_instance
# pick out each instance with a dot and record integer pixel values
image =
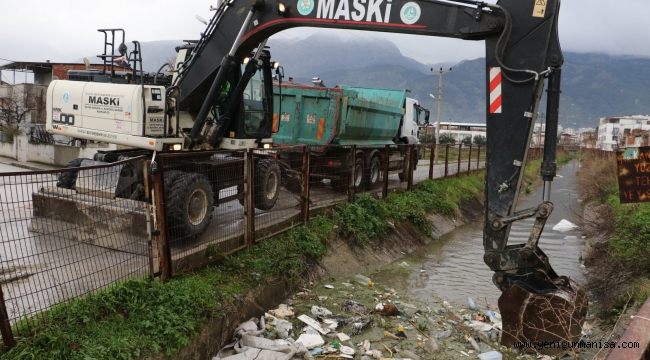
(522, 54)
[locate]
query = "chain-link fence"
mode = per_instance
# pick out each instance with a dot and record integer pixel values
(67, 233)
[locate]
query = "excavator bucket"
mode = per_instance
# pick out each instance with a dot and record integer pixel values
(541, 320)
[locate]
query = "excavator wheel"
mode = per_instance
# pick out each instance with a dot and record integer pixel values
(545, 320)
(267, 184)
(188, 200)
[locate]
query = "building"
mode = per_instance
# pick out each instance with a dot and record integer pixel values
(588, 137)
(622, 131)
(458, 131)
(42, 73)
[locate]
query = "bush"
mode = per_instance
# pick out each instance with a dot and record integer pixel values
(447, 139)
(480, 140)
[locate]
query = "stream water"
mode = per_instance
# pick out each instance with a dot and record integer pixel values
(453, 268)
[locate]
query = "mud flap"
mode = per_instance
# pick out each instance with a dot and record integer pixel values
(543, 321)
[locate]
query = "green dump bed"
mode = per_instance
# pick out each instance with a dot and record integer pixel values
(344, 115)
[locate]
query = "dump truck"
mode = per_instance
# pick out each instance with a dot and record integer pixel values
(327, 118)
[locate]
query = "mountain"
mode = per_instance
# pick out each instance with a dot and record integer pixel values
(593, 85)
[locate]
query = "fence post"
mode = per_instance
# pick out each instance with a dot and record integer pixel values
(249, 199)
(5, 325)
(432, 158)
(412, 163)
(384, 190)
(469, 159)
(478, 157)
(352, 183)
(148, 200)
(446, 160)
(160, 232)
(460, 152)
(305, 184)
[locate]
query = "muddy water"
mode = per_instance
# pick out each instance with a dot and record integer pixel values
(453, 268)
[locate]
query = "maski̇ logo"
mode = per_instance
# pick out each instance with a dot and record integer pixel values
(104, 100)
(355, 10)
(410, 13)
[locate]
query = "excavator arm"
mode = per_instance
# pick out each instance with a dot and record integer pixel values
(522, 54)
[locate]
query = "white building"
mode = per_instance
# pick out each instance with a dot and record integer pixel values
(612, 129)
(460, 131)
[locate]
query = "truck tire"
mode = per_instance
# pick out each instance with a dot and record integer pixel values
(188, 200)
(374, 172)
(267, 184)
(360, 174)
(68, 179)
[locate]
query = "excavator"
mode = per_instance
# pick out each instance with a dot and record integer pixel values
(204, 107)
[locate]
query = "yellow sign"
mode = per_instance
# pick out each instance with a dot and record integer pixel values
(540, 8)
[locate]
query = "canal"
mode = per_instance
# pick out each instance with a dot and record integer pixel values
(452, 267)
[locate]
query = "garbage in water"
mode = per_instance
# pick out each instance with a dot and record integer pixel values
(564, 226)
(362, 322)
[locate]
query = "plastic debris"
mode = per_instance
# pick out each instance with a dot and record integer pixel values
(471, 304)
(491, 355)
(310, 341)
(252, 347)
(347, 350)
(360, 324)
(313, 323)
(342, 336)
(445, 334)
(364, 280)
(331, 324)
(379, 306)
(389, 310)
(282, 312)
(283, 328)
(352, 306)
(254, 327)
(564, 226)
(400, 331)
(316, 351)
(480, 326)
(328, 286)
(474, 344)
(318, 311)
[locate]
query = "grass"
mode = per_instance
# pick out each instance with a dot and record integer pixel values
(142, 318)
(622, 250)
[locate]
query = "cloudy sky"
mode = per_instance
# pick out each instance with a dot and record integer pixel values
(65, 30)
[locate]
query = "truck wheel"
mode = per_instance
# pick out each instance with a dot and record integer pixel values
(189, 200)
(68, 179)
(267, 184)
(359, 174)
(374, 172)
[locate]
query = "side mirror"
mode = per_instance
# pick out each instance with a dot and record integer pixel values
(279, 71)
(426, 116)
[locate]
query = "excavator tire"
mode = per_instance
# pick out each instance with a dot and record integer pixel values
(267, 184)
(188, 200)
(68, 179)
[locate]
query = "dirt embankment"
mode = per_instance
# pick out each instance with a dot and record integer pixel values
(341, 259)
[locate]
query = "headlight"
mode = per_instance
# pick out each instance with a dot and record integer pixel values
(177, 147)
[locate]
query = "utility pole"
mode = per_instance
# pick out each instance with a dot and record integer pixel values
(438, 97)
(440, 72)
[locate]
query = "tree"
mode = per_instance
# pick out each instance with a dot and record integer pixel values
(467, 140)
(480, 140)
(16, 105)
(446, 138)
